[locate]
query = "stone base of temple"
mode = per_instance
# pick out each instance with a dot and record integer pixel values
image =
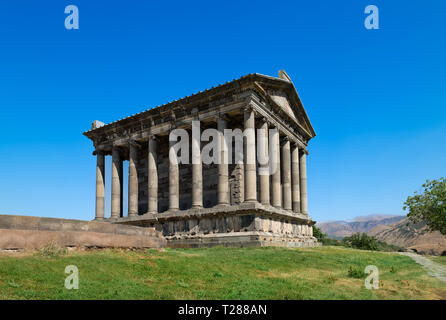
(247, 224)
(241, 239)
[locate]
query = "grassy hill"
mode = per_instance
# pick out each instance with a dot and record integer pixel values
(216, 273)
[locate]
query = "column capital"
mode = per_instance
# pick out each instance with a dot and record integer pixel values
(195, 114)
(294, 144)
(152, 136)
(273, 125)
(134, 143)
(221, 116)
(284, 139)
(249, 108)
(173, 124)
(264, 120)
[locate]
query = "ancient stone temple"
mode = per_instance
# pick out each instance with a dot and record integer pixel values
(226, 202)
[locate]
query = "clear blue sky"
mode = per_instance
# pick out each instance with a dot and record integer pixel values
(376, 98)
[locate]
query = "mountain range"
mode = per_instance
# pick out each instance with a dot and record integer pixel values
(392, 229)
(340, 229)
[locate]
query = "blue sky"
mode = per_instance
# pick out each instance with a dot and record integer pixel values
(376, 98)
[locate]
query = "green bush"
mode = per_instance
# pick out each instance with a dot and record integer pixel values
(357, 241)
(332, 242)
(318, 234)
(361, 241)
(355, 273)
(383, 246)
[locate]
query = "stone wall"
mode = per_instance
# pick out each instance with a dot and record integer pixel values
(21, 232)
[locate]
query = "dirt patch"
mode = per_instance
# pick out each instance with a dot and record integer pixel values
(16, 253)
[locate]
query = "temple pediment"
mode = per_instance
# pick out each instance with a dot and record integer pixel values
(283, 94)
(282, 100)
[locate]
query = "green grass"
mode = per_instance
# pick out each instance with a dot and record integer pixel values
(440, 260)
(216, 273)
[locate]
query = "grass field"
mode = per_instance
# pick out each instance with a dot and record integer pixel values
(217, 273)
(440, 260)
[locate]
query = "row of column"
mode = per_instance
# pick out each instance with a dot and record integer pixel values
(288, 182)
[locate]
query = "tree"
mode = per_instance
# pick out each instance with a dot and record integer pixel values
(318, 234)
(429, 205)
(361, 241)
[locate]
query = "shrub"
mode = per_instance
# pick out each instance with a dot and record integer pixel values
(332, 242)
(355, 273)
(318, 234)
(52, 250)
(361, 241)
(383, 246)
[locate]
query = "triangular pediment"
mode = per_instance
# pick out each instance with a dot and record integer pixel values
(283, 94)
(282, 99)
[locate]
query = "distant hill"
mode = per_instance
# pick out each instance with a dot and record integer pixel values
(341, 229)
(411, 236)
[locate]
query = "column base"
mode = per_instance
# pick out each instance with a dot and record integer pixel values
(219, 205)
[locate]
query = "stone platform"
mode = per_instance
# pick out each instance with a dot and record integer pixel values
(22, 232)
(247, 224)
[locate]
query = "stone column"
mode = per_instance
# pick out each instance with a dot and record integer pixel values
(295, 177)
(286, 174)
(250, 157)
(133, 181)
(223, 172)
(264, 167)
(152, 169)
(303, 183)
(116, 192)
(276, 195)
(174, 187)
(100, 186)
(197, 168)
